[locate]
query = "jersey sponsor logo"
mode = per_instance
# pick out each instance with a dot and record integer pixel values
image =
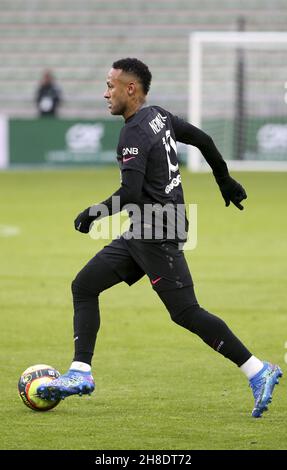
(174, 182)
(130, 151)
(158, 123)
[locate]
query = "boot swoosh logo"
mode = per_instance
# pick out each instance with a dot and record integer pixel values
(155, 281)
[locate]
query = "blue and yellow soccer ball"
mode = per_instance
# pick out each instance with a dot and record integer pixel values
(30, 380)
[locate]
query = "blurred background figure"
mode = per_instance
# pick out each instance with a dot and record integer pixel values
(48, 95)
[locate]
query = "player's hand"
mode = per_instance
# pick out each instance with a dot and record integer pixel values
(231, 191)
(83, 221)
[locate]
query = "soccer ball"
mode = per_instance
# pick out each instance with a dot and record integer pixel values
(30, 381)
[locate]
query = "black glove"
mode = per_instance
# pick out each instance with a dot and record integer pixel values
(83, 221)
(231, 191)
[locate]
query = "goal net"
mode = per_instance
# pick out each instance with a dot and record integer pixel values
(238, 95)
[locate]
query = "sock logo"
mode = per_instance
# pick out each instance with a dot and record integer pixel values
(220, 346)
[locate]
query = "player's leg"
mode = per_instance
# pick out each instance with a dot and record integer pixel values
(91, 281)
(186, 312)
(110, 266)
(170, 277)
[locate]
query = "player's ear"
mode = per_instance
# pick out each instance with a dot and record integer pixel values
(131, 88)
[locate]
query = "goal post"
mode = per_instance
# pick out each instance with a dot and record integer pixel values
(239, 76)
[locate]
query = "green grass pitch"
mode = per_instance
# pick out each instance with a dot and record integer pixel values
(158, 386)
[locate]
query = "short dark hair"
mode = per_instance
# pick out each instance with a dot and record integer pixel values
(137, 68)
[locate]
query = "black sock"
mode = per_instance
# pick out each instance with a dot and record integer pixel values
(86, 324)
(214, 332)
(93, 279)
(185, 311)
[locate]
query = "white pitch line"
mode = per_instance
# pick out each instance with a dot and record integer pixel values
(9, 231)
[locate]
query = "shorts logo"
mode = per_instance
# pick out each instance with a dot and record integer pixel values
(174, 182)
(155, 281)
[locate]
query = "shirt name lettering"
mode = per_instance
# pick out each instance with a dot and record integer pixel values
(158, 123)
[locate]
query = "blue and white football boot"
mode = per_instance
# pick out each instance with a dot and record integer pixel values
(74, 382)
(262, 385)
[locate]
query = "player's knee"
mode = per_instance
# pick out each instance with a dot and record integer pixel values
(186, 317)
(80, 291)
(77, 289)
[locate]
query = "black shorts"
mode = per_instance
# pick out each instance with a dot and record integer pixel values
(163, 262)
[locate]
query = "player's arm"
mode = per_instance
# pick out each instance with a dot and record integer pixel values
(230, 189)
(129, 192)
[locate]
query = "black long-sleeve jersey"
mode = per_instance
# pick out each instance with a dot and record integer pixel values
(147, 157)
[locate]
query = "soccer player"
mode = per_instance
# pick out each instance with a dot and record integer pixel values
(151, 190)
